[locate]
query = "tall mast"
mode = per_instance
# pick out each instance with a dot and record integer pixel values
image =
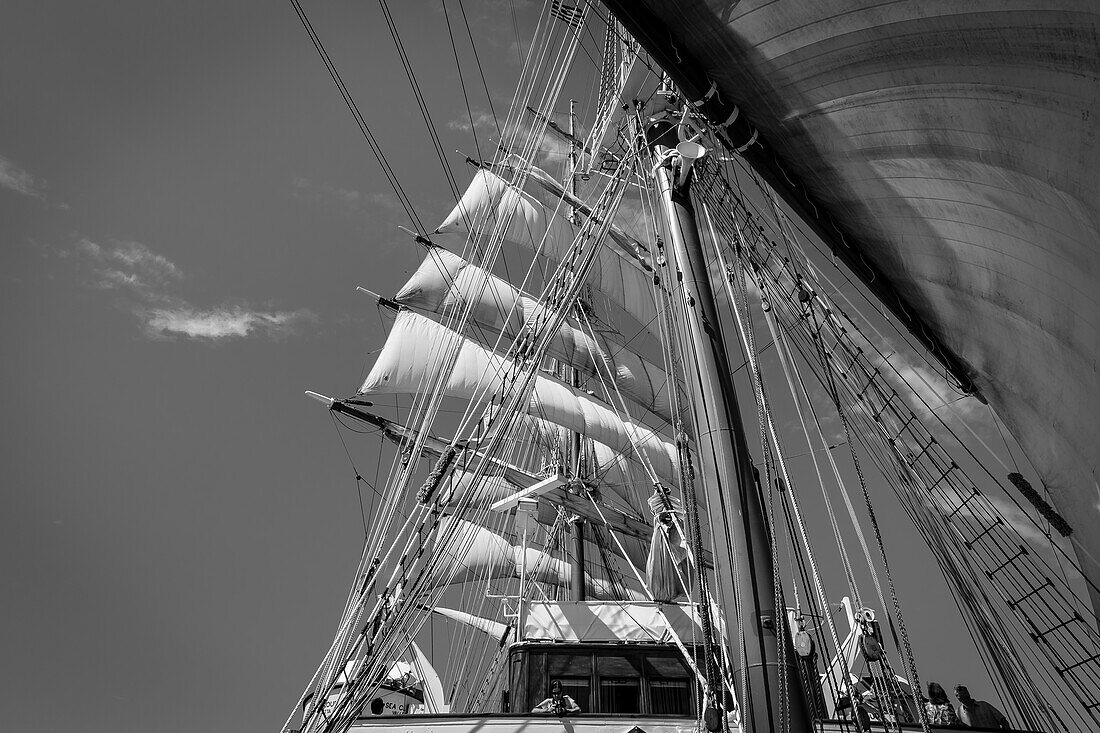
(571, 179)
(733, 499)
(576, 459)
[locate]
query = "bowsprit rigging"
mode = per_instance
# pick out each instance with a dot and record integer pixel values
(576, 528)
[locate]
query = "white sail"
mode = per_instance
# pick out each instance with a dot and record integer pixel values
(490, 202)
(445, 284)
(627, 246)
(480, 554)
(494, 629)
(434, 702)
(421, 355)
(622, 480)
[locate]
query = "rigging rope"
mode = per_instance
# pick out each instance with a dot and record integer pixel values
(353, 107)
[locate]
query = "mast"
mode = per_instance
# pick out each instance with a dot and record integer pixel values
(733, 499)
(576, 592)
(571, 181)
(576, 459)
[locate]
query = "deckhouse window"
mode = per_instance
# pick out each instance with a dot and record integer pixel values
(574, 671)
(620, 683)
(670, 686)
(606, 680)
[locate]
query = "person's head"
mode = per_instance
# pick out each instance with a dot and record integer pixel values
(555, 688)
(962, 693)
(936, 693)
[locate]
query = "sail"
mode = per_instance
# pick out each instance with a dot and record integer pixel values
(421, 355)
(625, 245)
(481, 553)
(494, 629)
(434, 702)
(461, 492)
(491, 202)
(666, 565)
(956, 153)
(445, 283)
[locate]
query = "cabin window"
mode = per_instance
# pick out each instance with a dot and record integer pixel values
(518, 683)
(606, 680)
(538, 684)
(620, 683)
(670, 686)
(574, 671)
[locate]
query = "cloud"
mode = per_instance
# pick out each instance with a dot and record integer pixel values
(129, 265)
(484, 122)
(924, 389)
(222, 323)
(144, 279)
(933, 390)
(551, 148)
(304, 188)
(348, 201)
(986, 510)
(16, 179)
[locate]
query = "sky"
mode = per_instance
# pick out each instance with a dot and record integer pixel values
(186, 208)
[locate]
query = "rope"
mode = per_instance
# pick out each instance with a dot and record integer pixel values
(349, 101)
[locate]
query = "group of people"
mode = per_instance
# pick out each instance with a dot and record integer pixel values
(971, 713)
(938, 710)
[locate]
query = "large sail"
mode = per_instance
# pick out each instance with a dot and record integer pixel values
(490, 202)
(484, 554)
(951, 158)
(421, 355)
(446, 284)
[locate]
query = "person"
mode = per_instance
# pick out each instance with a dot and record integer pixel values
(866, 711)
(978, 713)
(937, 709)
(558, 703)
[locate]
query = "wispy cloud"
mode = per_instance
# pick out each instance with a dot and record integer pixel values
(923, 388)
(304, 188)
(551, 148)
(222, 323)
(933, 391)
(144, 280)
(347, 201)
(129, 265)
(483, 122)
(14, 178)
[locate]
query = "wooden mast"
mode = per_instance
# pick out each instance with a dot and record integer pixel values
(733, 499)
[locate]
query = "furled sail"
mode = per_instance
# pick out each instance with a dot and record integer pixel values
(461, 490)
(421, 355)
(446, 284)
(667, 563)
(491, 202)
